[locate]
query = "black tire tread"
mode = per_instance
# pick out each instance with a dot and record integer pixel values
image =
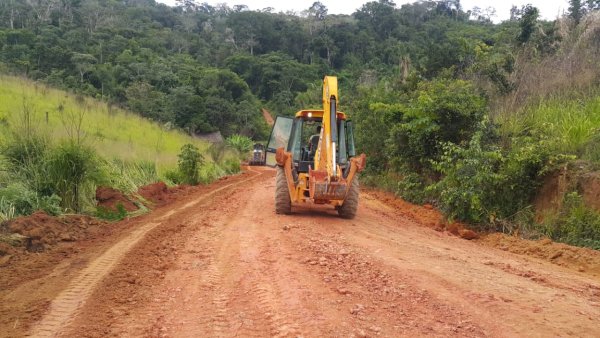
(283, 204)
(348, 209)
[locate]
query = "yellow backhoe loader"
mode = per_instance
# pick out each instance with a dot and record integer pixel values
(315, 158)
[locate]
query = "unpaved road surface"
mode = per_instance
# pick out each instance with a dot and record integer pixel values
(223, 264)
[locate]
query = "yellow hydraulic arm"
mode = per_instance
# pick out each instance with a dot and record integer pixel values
(325, 156)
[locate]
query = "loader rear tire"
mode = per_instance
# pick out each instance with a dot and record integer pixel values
(348, 209)
(283, 204)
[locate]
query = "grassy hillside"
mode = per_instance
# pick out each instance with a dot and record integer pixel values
(56, 148)
(113, 132)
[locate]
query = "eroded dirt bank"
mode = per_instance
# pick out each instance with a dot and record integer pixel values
(221, 263)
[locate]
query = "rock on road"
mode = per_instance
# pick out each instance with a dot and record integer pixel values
(225, 265)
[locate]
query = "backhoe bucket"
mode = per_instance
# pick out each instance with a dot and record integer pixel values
(324, 190)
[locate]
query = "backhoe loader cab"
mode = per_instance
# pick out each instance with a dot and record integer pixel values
(315, 157)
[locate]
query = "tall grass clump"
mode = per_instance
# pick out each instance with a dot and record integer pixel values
(128, 176)
(574, 224)
(7, 210)
(210, 172)
(568, 126)
(73, 171)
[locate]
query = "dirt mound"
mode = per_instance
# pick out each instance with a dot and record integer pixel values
(425, 215)
(157, 193)
(39, 231)
(579, 259)
(110, 198)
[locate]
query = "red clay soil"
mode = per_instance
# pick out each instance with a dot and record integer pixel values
(575, 258)
(30, 280)
(425, 215)
(268, 118)
(571, 257)
(578, 178)
(110, 198)
(40, 231)
(157, 193)
(231, 267)
(221, 262)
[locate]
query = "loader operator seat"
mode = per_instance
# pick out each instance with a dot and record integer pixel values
(313, 143)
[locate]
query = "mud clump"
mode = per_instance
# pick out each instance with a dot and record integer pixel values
(467, 234)
(39, 231)
(157, 193)
(6, 253)
(110, 198)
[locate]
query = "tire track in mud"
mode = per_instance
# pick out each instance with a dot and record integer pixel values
(209, 313)
(64, 308)
(273, 310)
(214, 316)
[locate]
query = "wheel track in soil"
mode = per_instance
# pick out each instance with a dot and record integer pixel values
(267, 293)
(65, 306)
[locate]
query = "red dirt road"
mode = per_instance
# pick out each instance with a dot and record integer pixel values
(223, 264)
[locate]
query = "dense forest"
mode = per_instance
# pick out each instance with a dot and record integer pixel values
(450, 107)
(209, 68)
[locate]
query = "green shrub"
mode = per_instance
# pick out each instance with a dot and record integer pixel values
(470, 176)
(110, 215)
(484, 183)
(172, 177)
(242, 144)
(412, 188)
(210, 172)
(190, 161)
(441, 111)
(387, 181)
(18, 199)
(575, 224)
(72, 169)
(231, 166)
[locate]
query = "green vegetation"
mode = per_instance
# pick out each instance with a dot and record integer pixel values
(113, 132)
(574, 224)
(190, 161)
(240, 143)
(110, 215)
(569, 126)
(56, 148)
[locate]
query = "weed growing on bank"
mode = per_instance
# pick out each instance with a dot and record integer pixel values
(574, 224)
